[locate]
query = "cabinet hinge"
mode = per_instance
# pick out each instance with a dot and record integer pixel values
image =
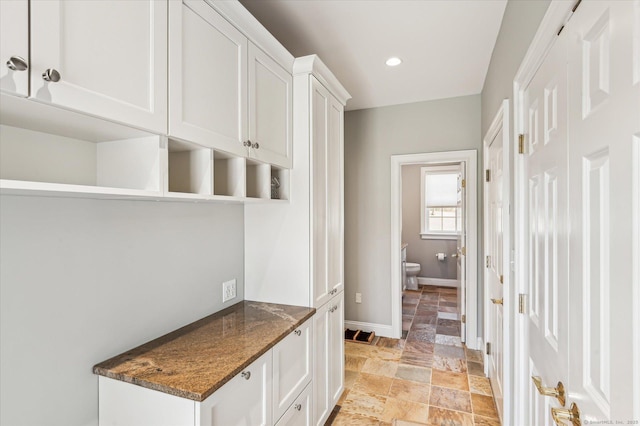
(463, 183)
(487, 175)
(520, 144)
(501, 279)
(463, 250)
(522, 298)
(488, 348)
(463, 319)
(487, 262)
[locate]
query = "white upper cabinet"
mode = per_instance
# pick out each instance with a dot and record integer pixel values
(14, 47)
(207, 78)
(270, 114)
(103, 58)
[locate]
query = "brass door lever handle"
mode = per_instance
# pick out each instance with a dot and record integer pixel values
(497, 301)
(571, 414)
(557, 392)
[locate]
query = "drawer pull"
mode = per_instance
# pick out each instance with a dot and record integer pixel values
(246, 375)
(298, 407)
(298, 332)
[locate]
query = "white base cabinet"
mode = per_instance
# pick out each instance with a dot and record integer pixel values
(328, 379)
(275, 389)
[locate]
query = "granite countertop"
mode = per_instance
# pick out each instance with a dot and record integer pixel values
(196, 360)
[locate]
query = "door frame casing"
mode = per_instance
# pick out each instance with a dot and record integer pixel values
(469, 158)
(500, 128)
(557, 15)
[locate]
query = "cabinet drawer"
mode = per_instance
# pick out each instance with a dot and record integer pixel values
(299, 414)
(292, 369)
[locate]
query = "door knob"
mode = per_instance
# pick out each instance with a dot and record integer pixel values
(17, 63)
(571, 414)
(51, 74)
(557, 392)
(246, 375)
(497, 301)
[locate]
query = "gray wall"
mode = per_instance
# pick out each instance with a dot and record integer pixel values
(82, 280)
(371, 137)
(419, 250)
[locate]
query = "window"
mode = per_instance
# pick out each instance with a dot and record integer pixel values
(440, 214)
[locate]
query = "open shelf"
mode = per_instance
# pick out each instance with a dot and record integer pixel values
(279, 185)
(190, 168)
(258, 180)
(228, 175)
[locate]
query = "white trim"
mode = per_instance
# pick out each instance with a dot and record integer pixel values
(439, 282)
(557, 14)
(635, 212)
(312, 64)
(500, 128)
(442, 236)
(469, 158)
(380, 329)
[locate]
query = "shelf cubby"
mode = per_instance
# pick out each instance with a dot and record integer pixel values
(228, 175)
(279, 183)
(190, 168)
(258, 180)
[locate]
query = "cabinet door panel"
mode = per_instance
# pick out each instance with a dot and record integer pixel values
(241, 401)
(111, 56)
(335, 196)
(291, 367)
(299, 414)
(270, 113)
(336, 351)
(207, 78)
(321, 400)
(14, 41)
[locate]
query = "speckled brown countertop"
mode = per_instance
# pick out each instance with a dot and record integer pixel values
(194, 361)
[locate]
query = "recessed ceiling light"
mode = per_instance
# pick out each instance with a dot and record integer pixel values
(392, 62)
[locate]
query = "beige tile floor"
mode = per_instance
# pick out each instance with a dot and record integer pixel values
(427, 377)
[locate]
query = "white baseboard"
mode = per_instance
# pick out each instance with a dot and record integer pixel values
(440, 282)
(380, 329)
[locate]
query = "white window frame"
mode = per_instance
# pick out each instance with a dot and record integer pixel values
(425, 233)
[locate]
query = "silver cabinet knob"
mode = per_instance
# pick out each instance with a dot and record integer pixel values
(17, 63)
(247, 144)
(51, 74)
(255, 145)
(298, 332)
(246, 375)
(298, 407)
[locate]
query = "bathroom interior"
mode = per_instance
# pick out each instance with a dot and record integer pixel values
(431, 220)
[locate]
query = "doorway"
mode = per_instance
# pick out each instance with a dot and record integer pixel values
(468, 252)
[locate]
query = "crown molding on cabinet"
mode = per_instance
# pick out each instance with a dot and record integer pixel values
(312, 64)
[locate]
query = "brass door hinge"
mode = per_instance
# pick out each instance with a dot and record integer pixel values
(463, 183)
(501, 279)
(464, 319)
(488, 348)
(520, 144)
(487, 261)
(463, 250)
(487, 175)
(521, 303)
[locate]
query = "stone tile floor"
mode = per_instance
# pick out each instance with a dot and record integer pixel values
(427, 377)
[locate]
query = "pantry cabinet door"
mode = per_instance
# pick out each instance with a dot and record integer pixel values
(270, 113)
(14, 47)
(109, 57)
(207, 78)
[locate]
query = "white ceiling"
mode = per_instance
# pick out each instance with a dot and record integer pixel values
(445, 45)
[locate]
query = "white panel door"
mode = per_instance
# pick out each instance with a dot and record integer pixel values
(270, 109)
(245, 400)
(207, 77)
(292, 367)
(321, 363)
(14, 47)
(300, 412)
(110, 57)
(604, 123)
(461, 273)
(336, 345)
(335, 197)
(547, 254)
(495, 199)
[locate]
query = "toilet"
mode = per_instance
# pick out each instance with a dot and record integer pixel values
(413, 269)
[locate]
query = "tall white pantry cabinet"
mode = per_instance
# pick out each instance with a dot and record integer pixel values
(294, 252)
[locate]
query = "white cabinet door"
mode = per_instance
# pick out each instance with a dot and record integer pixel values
(270, 113)
(244, 401)
(327, 199)
(14, 47)
(110, 58)
(328, 379)
(207, 77)
(300, 412)
(291, 367)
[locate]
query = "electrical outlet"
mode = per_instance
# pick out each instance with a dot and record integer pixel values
(358, 297)
(228, 290)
